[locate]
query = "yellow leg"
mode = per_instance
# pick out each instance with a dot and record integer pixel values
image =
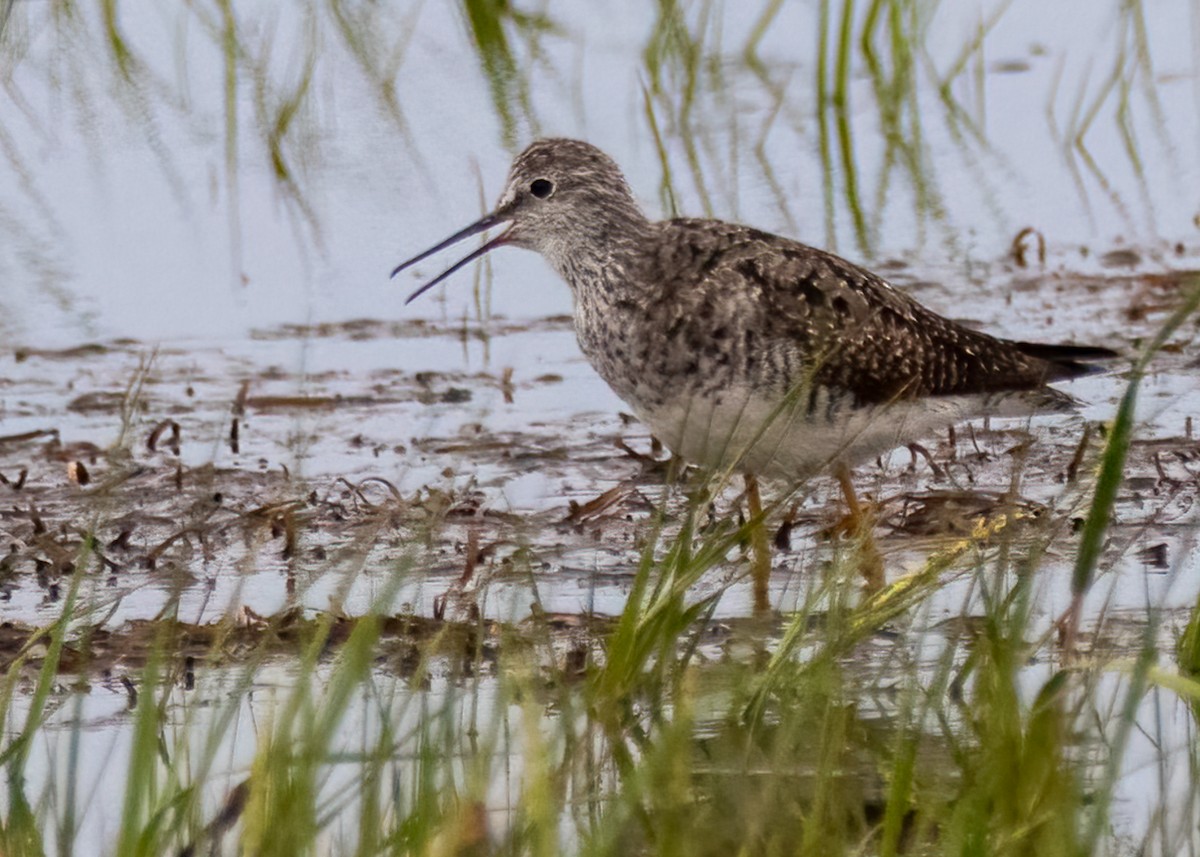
(760, 548)
(859, 526)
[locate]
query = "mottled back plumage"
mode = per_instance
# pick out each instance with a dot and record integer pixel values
(741, 348)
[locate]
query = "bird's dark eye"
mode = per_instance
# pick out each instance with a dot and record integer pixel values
(541, 188)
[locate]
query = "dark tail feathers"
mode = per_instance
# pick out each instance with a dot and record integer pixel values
(1068, 361)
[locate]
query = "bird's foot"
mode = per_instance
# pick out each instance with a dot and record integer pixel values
(760, 548)
(870, 563)
(858, 525)
(852, 524)
(857, 529)
(856, 532)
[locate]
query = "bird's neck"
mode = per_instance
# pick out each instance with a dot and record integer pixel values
(606, 263)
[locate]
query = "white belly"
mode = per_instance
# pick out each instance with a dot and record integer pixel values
(785, 440)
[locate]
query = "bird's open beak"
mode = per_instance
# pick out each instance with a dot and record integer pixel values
(482, 225)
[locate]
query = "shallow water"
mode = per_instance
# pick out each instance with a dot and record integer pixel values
(160, 269)
(128, 215)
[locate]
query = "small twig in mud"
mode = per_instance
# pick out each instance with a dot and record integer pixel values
(506, 385)
(783, 536)
(150, 560)
(1163, 477)
(472, 557)
(290, 537)
(650, 462)
(1080, 451)
(269, 512)
(595, 507)
(239, 401)
(29, 435)
(19, 483)
(105, 564)
(979, 453)
(113, 480)
(173, 442)
(121, 542)
(1067, 630)
(1018, 248)
(238, 410)
(916, 449)
(358, 489)
(130, 690)
(395, 491)
(235, 804)
(316, 403)
(284, 524)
